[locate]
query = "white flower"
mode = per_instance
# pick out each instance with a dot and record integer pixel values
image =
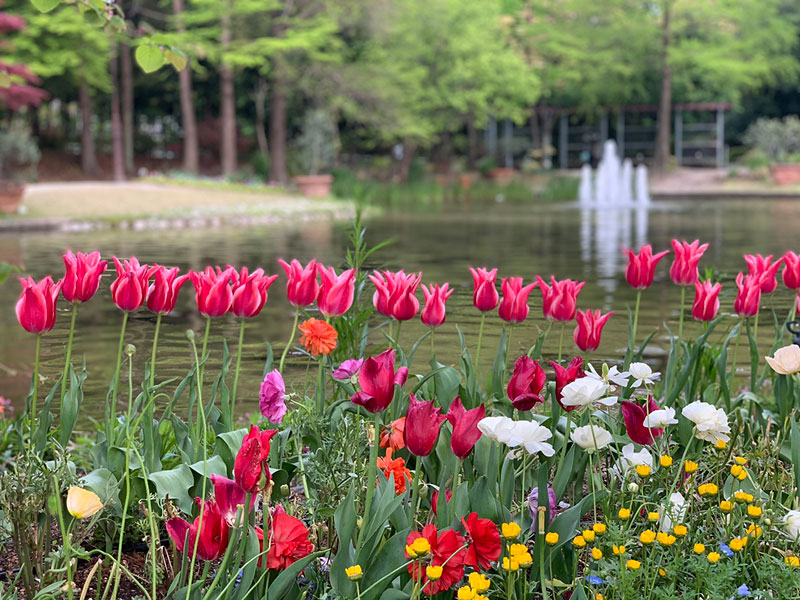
(660, 418)
(496, 428)
(643, 374)
(631, 459)
(612, 376)
(583, 392)
(531, 436)
(786, 361)
(710, 423)
(792, 520)
(591, 437)
(673, 512)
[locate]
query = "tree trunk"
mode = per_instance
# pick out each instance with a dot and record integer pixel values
(227, 100)
(665, 102)
(548, 124)
(117, 146)
(472, 144)
(88, 153)
(536, 132)
(126, 67)
(277, 127)
(409, 149)
(260, 99)
(188, 120)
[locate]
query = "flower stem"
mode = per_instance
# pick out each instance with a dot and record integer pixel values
(433, 345)
(291, 339)
(202, 367)
(632, 344)
(683, 309)
(320, 395)
(155, 346)
(68, 357)
(35, 384)
(115, 384)
(564, 446)
(480, 339)
(371, 469)
(561, 341)
(238, 365)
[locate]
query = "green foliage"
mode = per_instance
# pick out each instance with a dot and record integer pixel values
(775, 139)
(19, 153)
(319, 142)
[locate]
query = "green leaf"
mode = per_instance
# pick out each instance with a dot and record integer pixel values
(150, 58)
(45, 5)
(796, 452)
(251, 550)
(71, 405)
(283, 582)
(389, 559)
(175, 483)
(175, 59)
(344, 520)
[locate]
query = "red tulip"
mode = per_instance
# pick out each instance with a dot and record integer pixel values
(565, 375)
(250, 292)
(421, 431)
(634, 416)
(748, 296)
(213, 292)
(514, 307)
(684, 268)
(213, 534)
(435, 312)
(446, 551)
(484, 294)
(484, 539)
(642, 266)
(384, 288)
(251, 460)
(560, 301)
(163, 292)
(526, 383)
(336, 293)
(288, 541)
(465, 427)
(791, 270)
(82, 275)
(394, 294)
(36, 307)
(229, 497)
(129, 289)
(706, 300)
(590, 328)
(378, 379)
(448, 495)
(764, 269)
(302, 288)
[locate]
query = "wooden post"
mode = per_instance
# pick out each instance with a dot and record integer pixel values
(678, 136)
(720, 138)
(563, 136)
(621, 132)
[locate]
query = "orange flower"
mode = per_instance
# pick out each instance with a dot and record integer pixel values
(392, 437)
(396, 466)
(319, 337)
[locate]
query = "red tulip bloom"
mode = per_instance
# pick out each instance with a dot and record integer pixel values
(421, 429)
(435, 312)
(250, 291)
(251, 460)
(687, 256)
(446, 551)
(791, 270)
(129, 289)
(764, 269)
(302, 288)
(706, 300)
(378, 379)
(213, 292)
(526, 383)
(213, 534)
(288, 541)
(590, 328)
(642, 267)
(163, 292)
(384, 288)
(560, 300)
(484, 294)
(565, 375)
(484, 542)
(82, 275)
(634, 416)
(229, 497)
(465, 427)
(748, 296)
(448, 495)
(336, 293)
(514, 307)
(36, 307)
(394, 294)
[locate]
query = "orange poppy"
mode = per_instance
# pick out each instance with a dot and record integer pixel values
(392, 436)
(396, 466)
(319, 337)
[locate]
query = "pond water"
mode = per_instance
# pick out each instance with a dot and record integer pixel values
(520, 240)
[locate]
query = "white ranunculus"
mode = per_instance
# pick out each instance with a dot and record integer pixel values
(660, 418)
(591, 437)
(642, 374)
(786, 360)
(612, 377)
(710, 423)
(792, 521)
(496, 428)
(631, 459)
(583, 391)
(531, 436)
(673, 512)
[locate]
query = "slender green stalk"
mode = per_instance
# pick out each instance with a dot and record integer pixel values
(524, 469)
(65, 541)
(564, 447)
(238, 364)
(683, 309)
(561, 340)
(371, 472)
(35, 383)
(433, 346)
(155, 346)
(68, 357)
(480, 339)
(415, 488)
(202, 368)
(320, 395)
(291, 339)
(541, 567)
(632, 347)
(115, 385)
(298, 442)
(397, 336)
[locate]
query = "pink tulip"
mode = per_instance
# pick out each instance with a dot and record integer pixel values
(590, 328)
(347, 369)
(641, 267)
(514, 306)
(229, 497)
(395, 294)
(791, 270)
(706, 300)
(748, 296)
(764, 269)
(82, 275)
(435, 312)
(336, 293)
(272, 399)
(378, 379)
(566, 375)
(250, 291)
(465, 427)
(560, 300)
(423, 421)
(634, 416)
(163, 292)
(129, 289)
(687, 256)
(484, 294)
(36, 307)
(210, 527)
(525, 386)
(213, 292)
(302, 288)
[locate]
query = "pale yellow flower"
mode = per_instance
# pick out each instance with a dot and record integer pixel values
(786, 360)
(82, 503)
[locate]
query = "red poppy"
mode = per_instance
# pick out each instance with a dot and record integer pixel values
(288, 541)
(392, 437)
(447, 551)
(484, 538)
(397, 467)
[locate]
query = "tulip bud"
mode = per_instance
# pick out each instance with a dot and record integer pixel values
(633, 487)
(190, 335)
(130, 349)
(423, 490)
(285, 491)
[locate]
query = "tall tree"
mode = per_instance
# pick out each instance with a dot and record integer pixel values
(191, 146)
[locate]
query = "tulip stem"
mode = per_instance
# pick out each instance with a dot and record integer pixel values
(561, 341)
(371, 469)
(202, 367)
(480, 339)
(238, 365)
(735, 352)
(291, 339)
(632, 343)
(115, 383)
(35, 383)
(397, 336)
(68, 357)
(433, 345)
(564, 445)
(683, 309)
(153, 355)
(320, 395)
(415, 488)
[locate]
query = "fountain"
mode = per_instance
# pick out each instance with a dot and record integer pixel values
(613, 183)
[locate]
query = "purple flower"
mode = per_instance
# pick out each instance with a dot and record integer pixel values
(533, 503)
(272, 399)
(347, 369)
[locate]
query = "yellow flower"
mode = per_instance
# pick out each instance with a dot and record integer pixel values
(598, 596)
(713, 557)
(588, 535)
(666, 461)
(524, 559)
(647, 536)
(653, 517)
(699, 548)
(736, 544)
(597, 554)
(510, 531)
(726, 506)
(579, 541)
(680, 530)
(665, 539)
(754, 530)
(721, 444)
(624, 513)
(736, 470)
(617, 550)
(643, 470)
(792, 561)
(551, 538)
(741, 496)
(479, 583)
(754, 511)
(786, 360)
(82, 503)
(510, 564)
(633, 565)
(419, 548)
(740, 460)
(742, 476)
(465, 593)
(662, 572)
(354, 573)
(517, 549)
(690, 466)
(707, 489)
(599, 528)
(433, 572)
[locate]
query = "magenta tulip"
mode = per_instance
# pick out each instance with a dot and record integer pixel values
(213, 292)
(560, 299)
(634, 416)
(687, 256)
(566, 375)
(465, 427)
(590, 328)
(36, 307)
(435, 312)
(526, 383)
(423, 421)
(484, 294)
(764, 270)
(706, 300)
(162, 294)
(514, 306)
(82, 275)
(336, 293)
(129, 289)
(642, 266)
(302, 288)
(378, 379)
(748, 296)
(250, 292)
